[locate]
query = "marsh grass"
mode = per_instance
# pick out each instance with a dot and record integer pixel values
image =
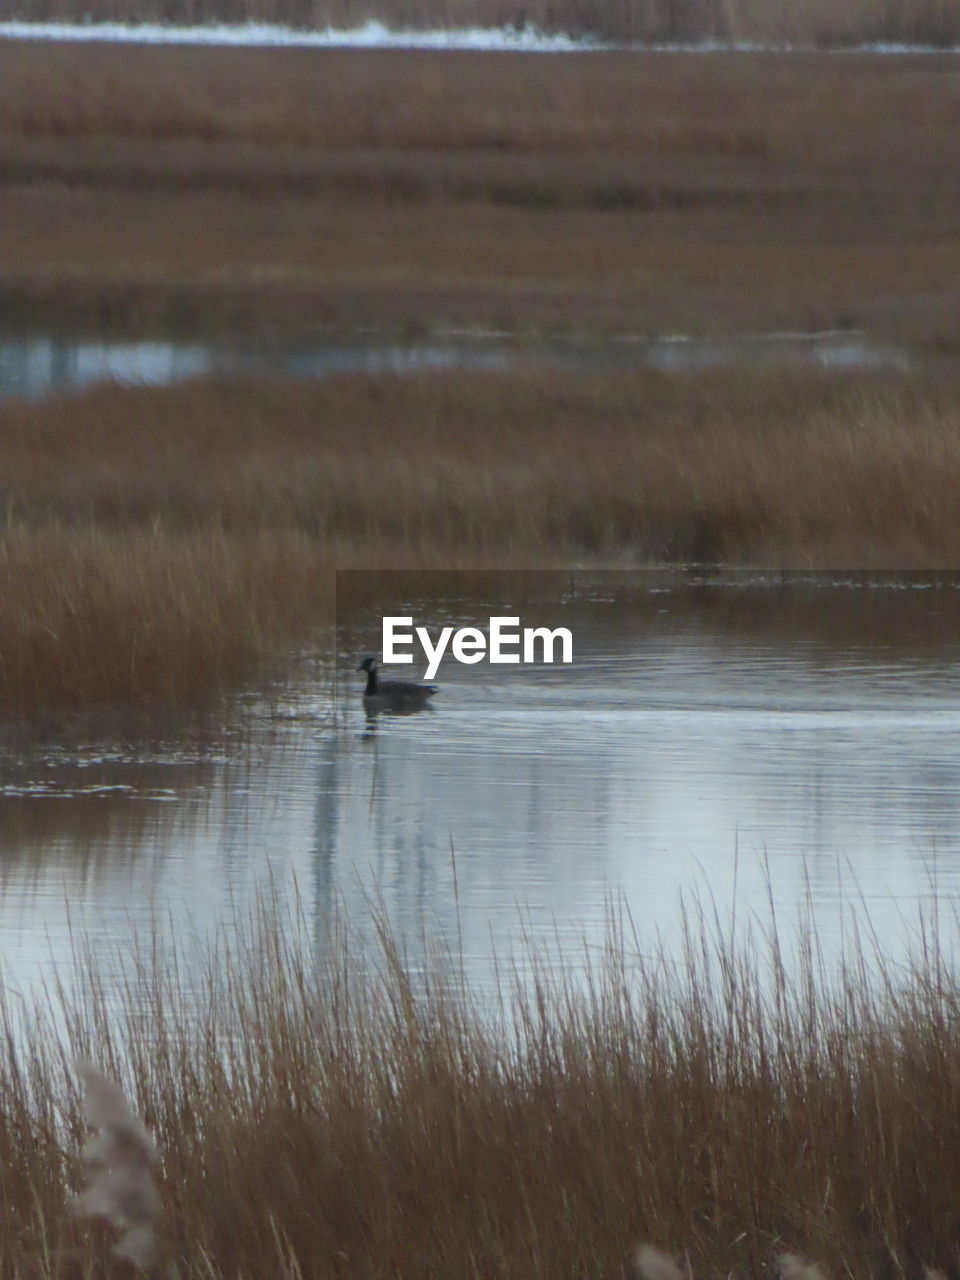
(149, 190)
(163, 544)
(106, 618)
(730, 1099)
(785, 466)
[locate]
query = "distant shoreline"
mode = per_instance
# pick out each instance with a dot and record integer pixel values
(377, 35)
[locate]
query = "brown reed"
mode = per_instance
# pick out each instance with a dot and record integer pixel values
(163, 543)
(339, 1118)
(779, 466)
(100, 617)
(149, 190)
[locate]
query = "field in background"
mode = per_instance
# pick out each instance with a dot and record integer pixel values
(186, 189)
(823, 23)
(531, 469)
(161, 542)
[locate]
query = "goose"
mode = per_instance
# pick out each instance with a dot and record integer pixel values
(400, 696)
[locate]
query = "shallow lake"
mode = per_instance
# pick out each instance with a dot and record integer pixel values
(31, 367)
(788, 743)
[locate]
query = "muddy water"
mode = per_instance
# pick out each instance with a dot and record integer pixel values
(787, 742)
(40, 366)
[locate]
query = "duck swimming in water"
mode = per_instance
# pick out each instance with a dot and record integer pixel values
(399, 696)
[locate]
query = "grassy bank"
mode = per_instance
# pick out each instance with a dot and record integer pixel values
(320, 1123)
(809, 22)
(150, 189)
(91, 617)
(772, 467)
(161, 542)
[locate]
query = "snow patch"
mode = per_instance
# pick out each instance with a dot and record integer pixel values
(372, 35)
(375, 35)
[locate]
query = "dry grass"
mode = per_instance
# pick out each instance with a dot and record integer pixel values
(94, 617)
(162, 544)
(150, 188)
(776, 467)
(318, 1122)
(807, 22)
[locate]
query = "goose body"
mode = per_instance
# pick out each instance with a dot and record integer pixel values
(399, 696)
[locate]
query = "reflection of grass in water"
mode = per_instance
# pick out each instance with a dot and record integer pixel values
(314, 1121)
(161, 543)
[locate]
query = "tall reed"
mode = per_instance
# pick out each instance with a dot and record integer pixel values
(147, 617)
(730, 1100)
(785, 466)
(163, 544)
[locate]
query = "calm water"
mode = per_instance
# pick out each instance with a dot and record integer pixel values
(740, 739)
(33, 367)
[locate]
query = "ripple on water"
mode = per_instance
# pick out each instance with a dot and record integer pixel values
(794, 742)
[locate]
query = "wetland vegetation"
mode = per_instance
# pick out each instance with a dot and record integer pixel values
(727, 1103)
(163, 545)
(156, 537)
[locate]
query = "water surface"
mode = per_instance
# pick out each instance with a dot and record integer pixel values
(39, 366)
(755, 742)
(516, 37)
